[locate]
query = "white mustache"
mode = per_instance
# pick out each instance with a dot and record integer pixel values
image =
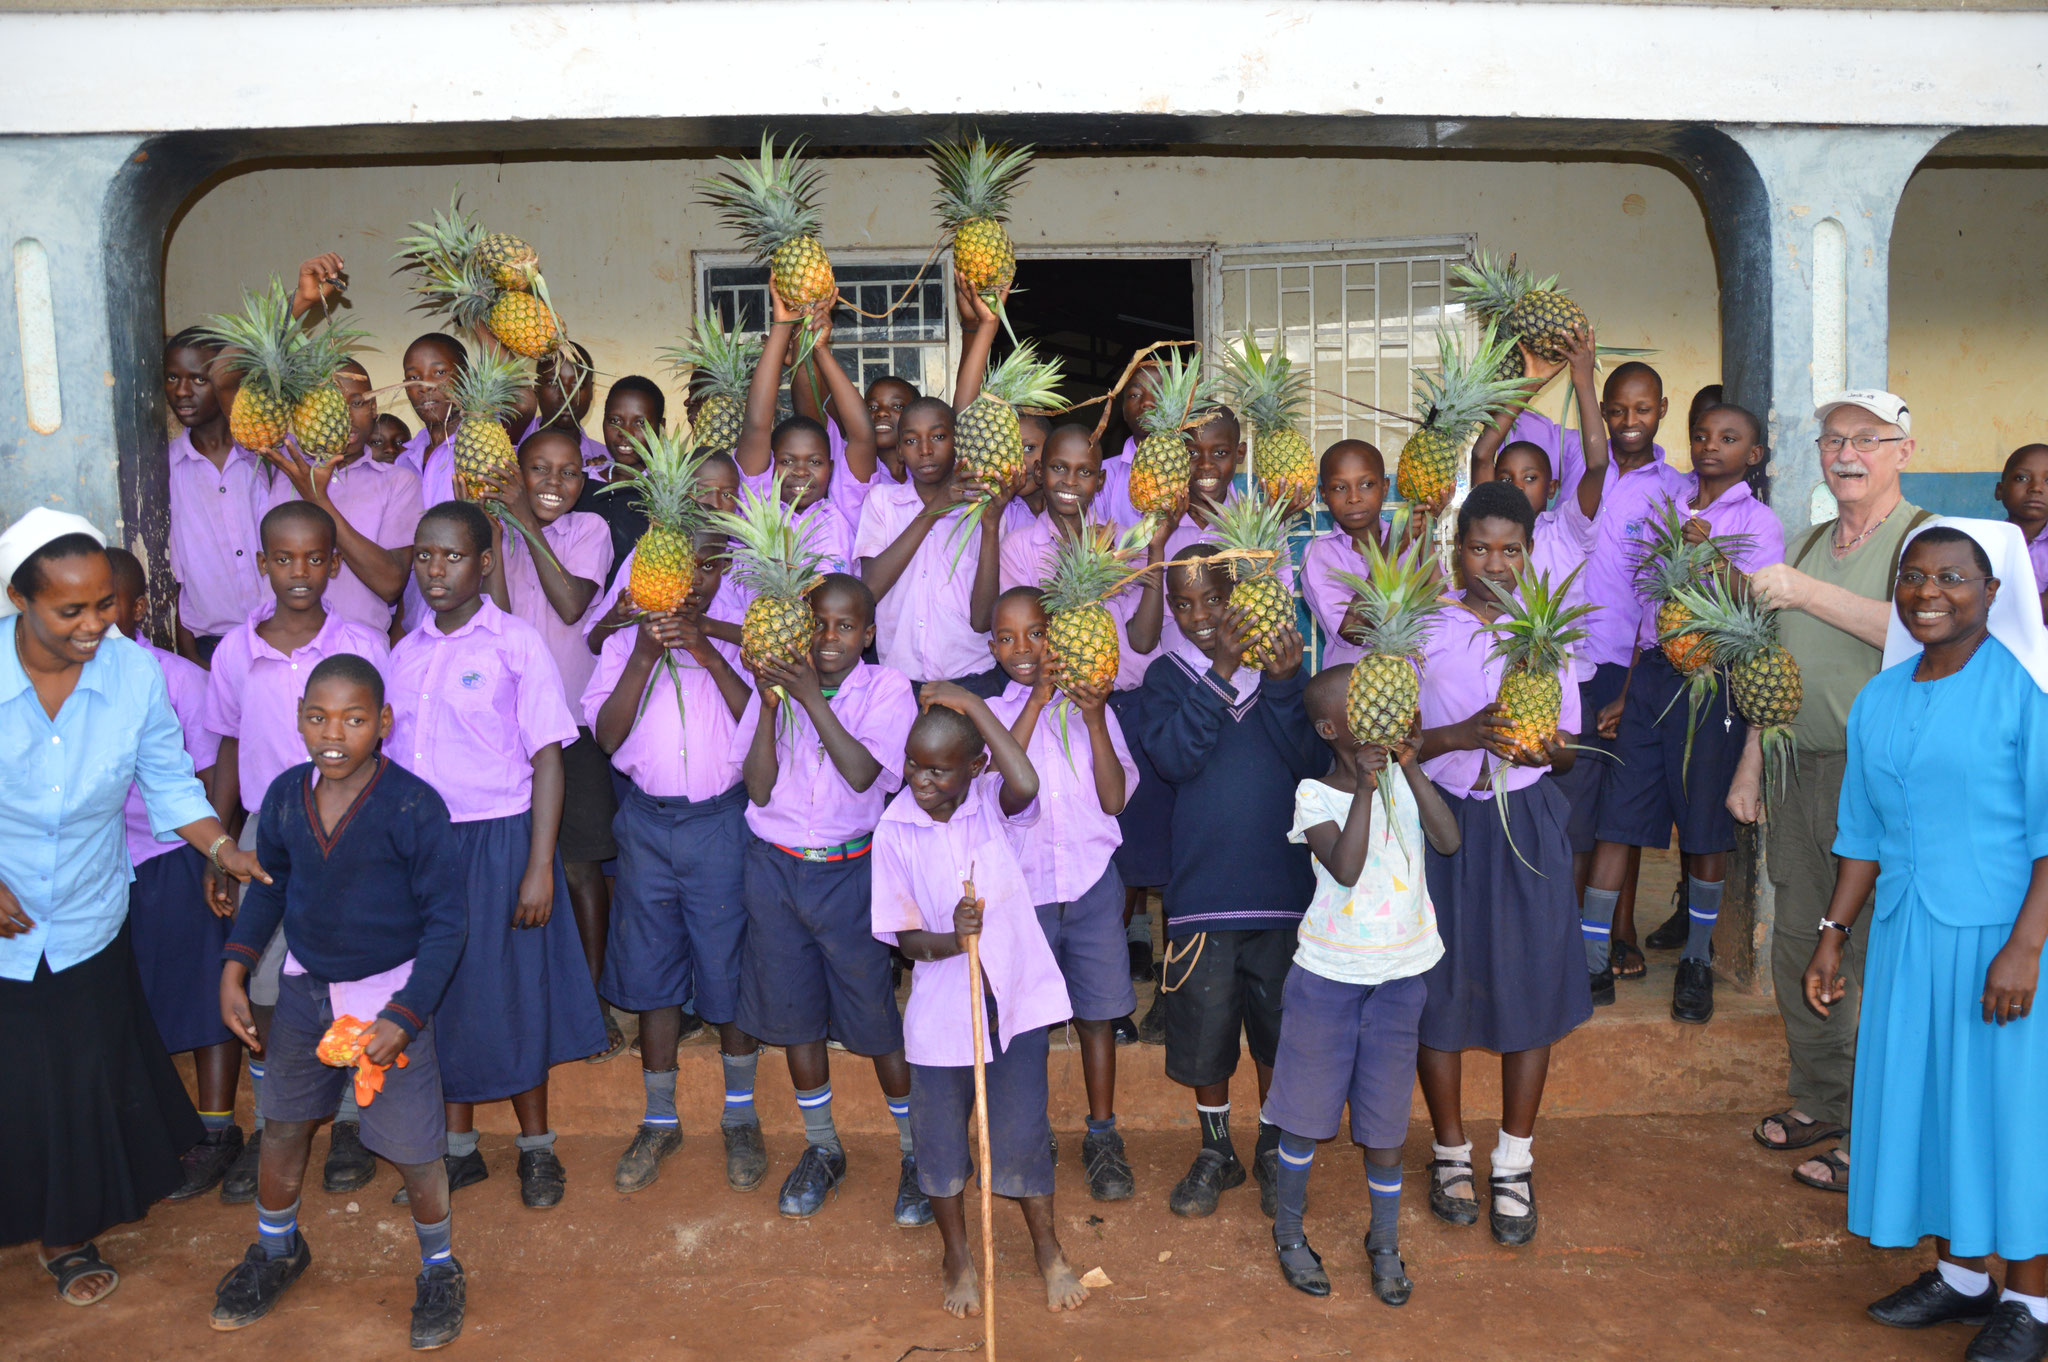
(1847, 470)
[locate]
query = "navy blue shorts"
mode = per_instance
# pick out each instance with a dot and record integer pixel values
(1087, 939)
(405, 1122)
(177, 943)
(1654, 788)
(812, 967)
(679, 920)
(1019, 1135)
(1587, 785)
(1344, 1043)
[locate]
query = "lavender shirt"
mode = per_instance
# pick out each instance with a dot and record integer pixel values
(1628, 507)
(381, 502)
(2037, 554)
(1065, 850)
(922, 623)
(254, 691)
(582, 544)
(470, 709)
(1460, 678)
(434, 467)
(1113, 500)
(215, 543)
(1735, 512)
(1564, 539)
(186, 682)
(920, 870)
(729, 606)
(811, 804)
(681, 745)
(1328, 554)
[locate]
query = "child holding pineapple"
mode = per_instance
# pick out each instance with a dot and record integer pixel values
(1353, 480)
(564, 385)
(1677, 762)
(664, 701)
(821, 750)
(1354, 993)
(479, 714)
(1233, 741)
(796, 456)
(1086, 775)
(218, 491)
(634, 408)
(431, 366)
(1508, 980)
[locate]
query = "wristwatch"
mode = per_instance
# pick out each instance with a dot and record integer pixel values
(1828, 924)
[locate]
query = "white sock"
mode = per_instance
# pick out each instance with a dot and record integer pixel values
(1962, 1279)
(1512, 1155)
(2037, 1306)
(1460, 1153)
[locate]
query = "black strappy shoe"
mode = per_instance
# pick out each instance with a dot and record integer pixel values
(1452, 1210)
(1513, 1231)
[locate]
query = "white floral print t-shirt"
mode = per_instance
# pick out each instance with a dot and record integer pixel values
(1383, 927)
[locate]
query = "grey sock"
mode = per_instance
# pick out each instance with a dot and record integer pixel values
(661, 1098)
(546, 1140)
(739, 1090)
(435, 1240)
(1297, 1157)
(1596, 923)
(348, 1110)
(1383, 1182)
(1703, 903)
(256, 1092)
(899, 1108)
(461, 1143)
(816, 1105)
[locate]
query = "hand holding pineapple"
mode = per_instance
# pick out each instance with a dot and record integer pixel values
(320, 277)
(1283, 652)
(795, 676)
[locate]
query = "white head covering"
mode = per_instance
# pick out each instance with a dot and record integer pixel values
(2015, 618)
(30, 533)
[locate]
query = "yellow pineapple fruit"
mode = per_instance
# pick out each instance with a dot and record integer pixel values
(1535, 627)
(287, 376)
(772, 204)
(1159, 469)
(510, 262)
(718, 362)
(1455, 403)
(1763, 678)
(485, 392)
(988, 443)
(665, 557)
(524, 324)
(975, 184)
(1271, 396)
(1397, 598)
(1535, 312)
(1084, 573)
(460, 271)
(775, 560)
(1664, 564)
(1252, 525)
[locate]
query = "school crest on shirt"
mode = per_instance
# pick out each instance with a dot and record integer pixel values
(471, 680)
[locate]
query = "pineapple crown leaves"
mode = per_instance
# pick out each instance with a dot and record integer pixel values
(1024, 380)
(768, 549)
(666, 489)
(488, 387)
(1254, 526)
(1469, 391)
(1737, 628)
(1267, 388)
(1665, 562)
(1398, 598)
(1090, 567)
(1536, 624)
(447, 241)
(1492, 287)
(977, 179)
(769, 201)
(264, 342)
(719, 359)
(1178, 389)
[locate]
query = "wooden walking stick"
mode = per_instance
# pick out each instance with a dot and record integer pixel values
(979, 1020)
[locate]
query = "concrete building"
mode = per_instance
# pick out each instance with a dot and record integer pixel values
(1788, 199)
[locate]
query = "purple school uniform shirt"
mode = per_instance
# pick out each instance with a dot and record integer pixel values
(920, 870)
(1736, 512)
(1628, 507)
(2037, 554)
(253, 693)
(582, 544)
(847, 492)
(922, 623)
(1328, 554)
(1564, 539)
(1113, 501)
(381, 502)
(729, 606)
(434, 467)
(1065, 851)
(214, 538)
(470, 709)
(681, 745)
(186, 682)
(811, 804)
(1460, 677)
(597, 460)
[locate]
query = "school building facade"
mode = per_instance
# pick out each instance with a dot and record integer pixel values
(1789, 198)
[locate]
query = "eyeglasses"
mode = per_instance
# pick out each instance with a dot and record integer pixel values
(1863, 444)
(1913, 577)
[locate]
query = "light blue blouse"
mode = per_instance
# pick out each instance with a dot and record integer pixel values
(63, 848)
(1946, 788)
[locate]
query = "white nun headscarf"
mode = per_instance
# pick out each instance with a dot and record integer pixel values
(2015, 618)
(39, 527)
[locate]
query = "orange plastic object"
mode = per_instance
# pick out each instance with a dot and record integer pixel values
(342, 1046)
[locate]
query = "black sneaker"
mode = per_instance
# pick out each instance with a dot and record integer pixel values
(1141, 961)
(2013, 1335)
(542, 1179)
(1266, 1169)
(640, 1165)
(1152, 1027)
(913, 1209)
(746, 1158)
(238, 1188)
(349, 1166)
(1109, 1171)
(464, 1170)
(816, 1176)
(1208, 1177)
(439, 1293)
(1124, 1030)
(1929, 1300)
(1603, 987)
(206, 1164)
(255, 1284)
(1692, 994)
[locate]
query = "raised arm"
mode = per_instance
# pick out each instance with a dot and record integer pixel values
(1582, 354)
(1020, 778)
(978, 324)
(855, 424)
(1540, 371)
(753, 453)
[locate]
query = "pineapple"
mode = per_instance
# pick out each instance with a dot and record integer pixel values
(719, 362)
(1252, 525)
(1467, 394)
(1271, 396)
(975, 184)
(1665, 564)
(461, 272)
(484, 392)
(1763, 678)
(665, 558)
(510, 262)
(264, 344)
(772, 556)
(988, 444)
(1398, 597)
(524, 324)
(1535, 312)
(1080, 632)
(1159, 469)
(320, 424)
(773, 205)
(1531, 635)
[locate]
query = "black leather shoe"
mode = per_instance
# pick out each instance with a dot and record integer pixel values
(1109, 1170)
(205, 1164)
(1692, 995)
(1302, 1267)
(1929, 1300)
(640, 1165)
(253, 1285)
(746, 1158)
(1152, 1026)
(1671, 935)
(913, 1209)
(1452, 1210)
(439, 1294)
(1208, 1177)
(464, 1170)
(1603, 987)
(1512, 1231)
(542, 1179)
(1125, 1030)
(1389, 1276)
(349, 1166)
(2013, 1335)
(238, 1188)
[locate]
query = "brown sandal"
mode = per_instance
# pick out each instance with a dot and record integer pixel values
(1798, 1134)
(1626, 960)
(1838, 1172)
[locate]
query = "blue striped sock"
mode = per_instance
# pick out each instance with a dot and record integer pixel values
(661, 1098)
(436, 1240)
(739, 1089)
(1703, 909)
(278, 1231)
(1596, 924)
(1297, 1156)
(899, 1107)
(1383, 1181)
(256, 1090)
(816, 1106)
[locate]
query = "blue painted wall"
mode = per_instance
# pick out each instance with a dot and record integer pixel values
(1953, 493)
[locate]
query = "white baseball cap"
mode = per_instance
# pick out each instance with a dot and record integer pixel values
(1887, 407)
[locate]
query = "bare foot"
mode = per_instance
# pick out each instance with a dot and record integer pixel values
(963, 1290)
(1063, 1290)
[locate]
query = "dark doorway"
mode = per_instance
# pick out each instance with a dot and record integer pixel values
(1092, 315)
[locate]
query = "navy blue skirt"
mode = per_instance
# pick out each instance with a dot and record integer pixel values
(177, 942)
(521, 1000)
(1513, 975)
(1144, 859)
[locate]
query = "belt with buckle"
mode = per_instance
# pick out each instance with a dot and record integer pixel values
(845, 851)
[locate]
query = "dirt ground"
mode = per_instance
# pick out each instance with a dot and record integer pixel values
(1663, 1237)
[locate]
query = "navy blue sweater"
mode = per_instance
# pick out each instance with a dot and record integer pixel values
(384, 888)
(1233, 768)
